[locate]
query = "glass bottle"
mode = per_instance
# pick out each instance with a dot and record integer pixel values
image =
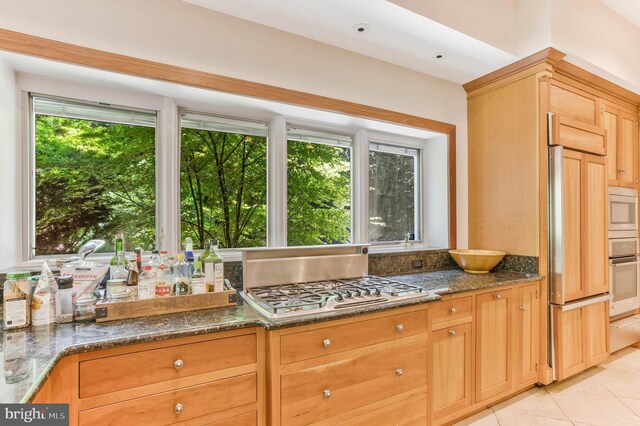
(119, 247)
(180, 282)
(132, 279)
(147, 283)
(120, 271)
(163, 280)
(65, 300)
(198, 285)
(154, 261)
(213, 268)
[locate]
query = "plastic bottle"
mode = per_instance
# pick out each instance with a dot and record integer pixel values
(163, 278)
(147, 283)
(198, 285)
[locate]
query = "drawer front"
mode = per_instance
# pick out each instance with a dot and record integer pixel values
(177, 406)
(247, 419)
(322, 392)
(571, 102)
(442, 313)
(325, 341)
(412, 412)
(577, 135)
(104, 375)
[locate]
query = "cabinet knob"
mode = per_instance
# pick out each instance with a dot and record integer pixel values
(399, 372)
(400, 328)
(326, 393)
(179, 408)
(452, 332)
(498, 296)
(178, 364)
(326, 343)
(522, 308)
(452, 310)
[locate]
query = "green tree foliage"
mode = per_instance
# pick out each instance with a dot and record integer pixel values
(319, 194)
(223, 186)
(93, 179)
(391, 196)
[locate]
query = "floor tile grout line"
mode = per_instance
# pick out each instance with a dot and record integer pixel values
(623, 403)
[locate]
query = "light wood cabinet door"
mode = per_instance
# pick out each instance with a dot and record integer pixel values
(572, 177)
(622, 146)
(527, 334)
(574, 103)
(597, 326)
(570, 340)
(449, 369)
(594, 225)
(627, 150)
(494, 353)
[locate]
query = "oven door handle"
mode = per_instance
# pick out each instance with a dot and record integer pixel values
(621, 262)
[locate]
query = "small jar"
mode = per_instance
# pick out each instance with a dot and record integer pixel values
(85, 309)
(121, 296)
(115, 286)
(65, 299)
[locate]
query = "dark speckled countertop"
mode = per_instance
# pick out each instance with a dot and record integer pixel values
(29, 355)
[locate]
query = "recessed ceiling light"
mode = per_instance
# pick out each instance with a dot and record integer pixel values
(440, 56)
(362, 28)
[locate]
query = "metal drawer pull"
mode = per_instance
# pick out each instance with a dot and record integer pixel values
(498, 296)
(522, 308)
(327, 393)
(326, 343)
(452, 332)
(178, 364)
(399, 372)
(400, 328)
(179, 408)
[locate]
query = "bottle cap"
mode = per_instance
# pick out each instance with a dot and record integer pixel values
(155, 252)
(164, 252)
(213, 242)
(137, 250)
(179, 257)
(18, 275)
(64, 282)
(146, 268)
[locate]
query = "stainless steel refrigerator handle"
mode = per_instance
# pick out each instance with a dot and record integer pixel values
(586, 302)
(556, 228)
(550, 128)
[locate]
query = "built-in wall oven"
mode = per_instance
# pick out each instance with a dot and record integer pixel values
(624, 275)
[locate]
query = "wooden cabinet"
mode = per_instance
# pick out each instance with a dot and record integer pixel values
(584, 225)
(450, 370)
(622, 145)
(342, 371)
(580, 336)
(215, 379)
(569, 101)
(527, 335)
(494, 343)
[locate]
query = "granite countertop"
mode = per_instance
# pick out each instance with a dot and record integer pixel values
(29, 355)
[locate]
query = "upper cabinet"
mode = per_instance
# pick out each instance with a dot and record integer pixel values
(621, 128)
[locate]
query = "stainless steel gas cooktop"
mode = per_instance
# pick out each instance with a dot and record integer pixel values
(284, 295)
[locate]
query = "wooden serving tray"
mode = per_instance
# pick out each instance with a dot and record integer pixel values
(110, 311)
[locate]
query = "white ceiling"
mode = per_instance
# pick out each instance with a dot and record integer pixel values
(629, 9)
(397, 35)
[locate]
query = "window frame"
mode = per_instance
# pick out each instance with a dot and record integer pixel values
(168, 164)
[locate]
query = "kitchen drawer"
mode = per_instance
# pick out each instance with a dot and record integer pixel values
(247, 419)
(162, 409)
(322, 392)
(338, 338)
(109, 374)
(412, 411)
(575, 134)
(451, 311)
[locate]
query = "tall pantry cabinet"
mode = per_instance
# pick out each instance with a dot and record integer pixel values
(510, 129)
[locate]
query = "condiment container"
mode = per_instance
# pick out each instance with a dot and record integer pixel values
(147, 283)
(115, 286)
(121, 296)
(85, 309)
(65, 300)
(17, 300)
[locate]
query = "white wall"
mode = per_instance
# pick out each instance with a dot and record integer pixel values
(10, 224)
(174, 32)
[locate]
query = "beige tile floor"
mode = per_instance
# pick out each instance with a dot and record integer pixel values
(607, 395)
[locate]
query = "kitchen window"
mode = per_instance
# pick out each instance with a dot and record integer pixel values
(394, 193)
(94, 175)
(223, 181)
(318, 188)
